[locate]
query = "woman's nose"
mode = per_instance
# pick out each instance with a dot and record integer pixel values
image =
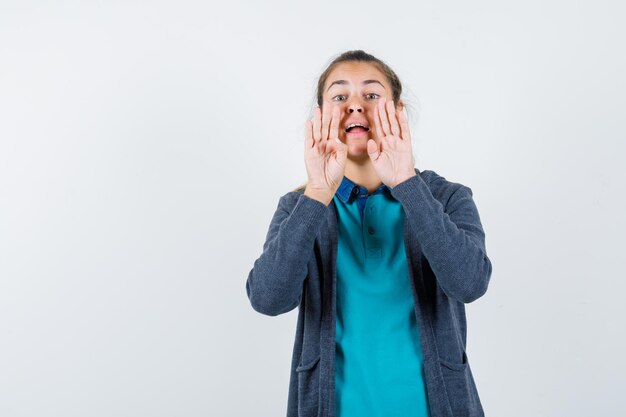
(356, 107)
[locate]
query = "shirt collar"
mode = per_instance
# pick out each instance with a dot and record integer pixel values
(349, 190)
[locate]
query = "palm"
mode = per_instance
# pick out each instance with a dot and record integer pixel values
(325, 158)
(393, 159)
(324, 164)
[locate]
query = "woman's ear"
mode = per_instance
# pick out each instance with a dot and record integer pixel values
(400, 105)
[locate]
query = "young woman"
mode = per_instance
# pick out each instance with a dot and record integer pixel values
(380, 258)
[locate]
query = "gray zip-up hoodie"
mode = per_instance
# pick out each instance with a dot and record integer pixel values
(448, 263)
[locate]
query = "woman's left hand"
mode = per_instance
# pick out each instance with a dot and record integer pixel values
(393, 162)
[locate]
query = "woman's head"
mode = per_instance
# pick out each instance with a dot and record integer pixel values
(359, 56)
(356, 81)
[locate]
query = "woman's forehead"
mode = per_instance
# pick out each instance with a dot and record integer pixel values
(354, 73)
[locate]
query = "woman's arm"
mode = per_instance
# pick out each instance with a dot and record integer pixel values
(453, 241)
(274, 285)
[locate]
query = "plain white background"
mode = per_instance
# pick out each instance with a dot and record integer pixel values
(144, 146)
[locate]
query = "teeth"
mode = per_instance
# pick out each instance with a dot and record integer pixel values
(355, 124)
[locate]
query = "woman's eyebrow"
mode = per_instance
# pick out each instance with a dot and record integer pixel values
(346, 82)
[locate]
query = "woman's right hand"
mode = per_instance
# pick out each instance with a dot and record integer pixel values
(324, 154)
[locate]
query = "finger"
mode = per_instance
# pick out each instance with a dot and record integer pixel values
(325, 121)
(404, 124)
(330, 146)
(372, 149)
(379, 129)
(391, 110)
(308, 134)
(334, 124)
(321, 146)
(317, 135)
(384, 121)
(342, 152)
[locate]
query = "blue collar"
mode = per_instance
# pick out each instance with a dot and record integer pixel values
(349, 190)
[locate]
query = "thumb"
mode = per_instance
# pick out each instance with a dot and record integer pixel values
(372, 149)
(341, 150)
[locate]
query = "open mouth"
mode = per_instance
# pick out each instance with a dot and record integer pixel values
(357, 129)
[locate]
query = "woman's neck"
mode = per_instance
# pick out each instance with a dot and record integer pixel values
(363, 173)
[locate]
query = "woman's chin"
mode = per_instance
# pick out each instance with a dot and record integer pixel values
(357, 151)
(357, 146)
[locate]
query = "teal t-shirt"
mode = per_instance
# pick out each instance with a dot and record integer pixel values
(378, 361)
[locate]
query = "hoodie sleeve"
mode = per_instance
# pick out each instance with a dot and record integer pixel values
(274, 284)
(451, 238)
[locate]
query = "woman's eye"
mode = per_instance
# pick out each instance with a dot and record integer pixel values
(371, 95)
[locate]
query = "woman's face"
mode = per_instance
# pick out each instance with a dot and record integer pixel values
(356, 88)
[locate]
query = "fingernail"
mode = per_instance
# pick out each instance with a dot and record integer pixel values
(338, 140)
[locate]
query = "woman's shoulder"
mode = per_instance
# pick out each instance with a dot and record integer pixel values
(289, 199)
(436, 180)
(442, 188)
(300, 188)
